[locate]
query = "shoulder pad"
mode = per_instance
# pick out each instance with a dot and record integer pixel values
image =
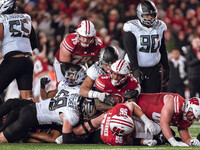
(161, 24)
(131, 25)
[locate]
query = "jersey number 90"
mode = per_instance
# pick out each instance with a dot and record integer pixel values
(149, 43)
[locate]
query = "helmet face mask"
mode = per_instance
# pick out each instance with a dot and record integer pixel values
(192, 110)
(88, 108)
(147, 13)
(86, 33)
(119, 72)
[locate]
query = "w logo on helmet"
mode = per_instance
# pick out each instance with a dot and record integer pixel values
(121, 125)
(194, 101)
(118, 131)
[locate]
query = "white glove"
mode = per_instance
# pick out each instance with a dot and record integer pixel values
(150, 142)
(59, 140)
(99, 95)
(148, 125)
(173, 142)
(194, 142)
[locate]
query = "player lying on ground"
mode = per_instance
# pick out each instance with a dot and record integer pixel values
(64, 108)
(114, 135)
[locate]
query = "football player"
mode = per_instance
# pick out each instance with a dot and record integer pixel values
(64, 108)
(172, 109)
(119, 133)
(118, 127)
(78, 48)
(117, 82)
(18, 39)
(107, 56)
(144, 44)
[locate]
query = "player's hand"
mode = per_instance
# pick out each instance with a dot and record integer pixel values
(138, 75)
(129, 94)
(173, 142)
(59, 140)
(194, 142)
(150, 142)
(43, 82)
(165, 76)
(150, 126)
(109, 100)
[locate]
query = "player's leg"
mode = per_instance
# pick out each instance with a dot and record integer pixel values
(25, 78)
(27, 119)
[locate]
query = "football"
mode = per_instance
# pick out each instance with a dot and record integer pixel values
(113, 99)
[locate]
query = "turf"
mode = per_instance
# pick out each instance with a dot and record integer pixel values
(195, 130)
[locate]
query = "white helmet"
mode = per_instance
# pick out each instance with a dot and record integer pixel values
(145, 8)
(193, 105)
(120, 67)
(6, 5)
(121, 125)
(87, 30)
(74, 74)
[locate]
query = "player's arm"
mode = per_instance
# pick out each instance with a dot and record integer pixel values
(1, 31)
(33, 39)
(185, 135)
(86, 86)
(45, 137)
(166, 116)
(130, 43)
(46, 94)
(65, 55)
(102, 106)
(135, 109)
(165, 120)
(164, 61)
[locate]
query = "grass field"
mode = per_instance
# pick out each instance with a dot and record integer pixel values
(195, 130)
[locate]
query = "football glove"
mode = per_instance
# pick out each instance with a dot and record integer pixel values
(150, 142)
(165, 76)
(129, 94)
(194, 142)
(43, 82)
(138, 75)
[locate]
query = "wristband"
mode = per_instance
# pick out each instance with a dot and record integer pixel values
(93, 94)
(172, 140)
(144, 118)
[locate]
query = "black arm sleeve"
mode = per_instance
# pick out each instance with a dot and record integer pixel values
(33, 39)
(163, 52)
(130, 47)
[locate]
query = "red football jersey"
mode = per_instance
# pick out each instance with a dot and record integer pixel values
(152, 105)
(106, 134)
(103, 83)
(40, 65)
(79, 54)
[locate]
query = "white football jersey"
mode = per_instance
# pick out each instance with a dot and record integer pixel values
(66, 101)
(148, 41)
(17, 29)
(95, 70)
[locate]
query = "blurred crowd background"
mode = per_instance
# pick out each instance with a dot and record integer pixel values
(55, 19)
